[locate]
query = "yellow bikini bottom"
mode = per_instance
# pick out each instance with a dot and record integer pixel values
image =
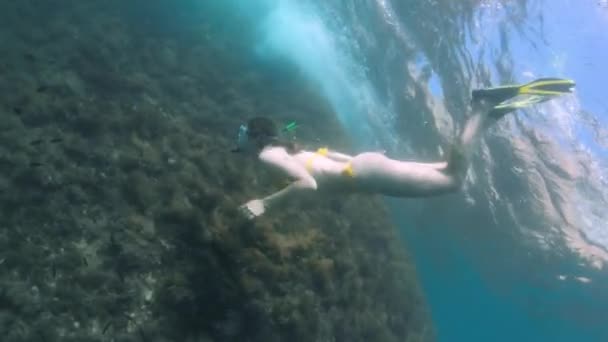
(347, 171)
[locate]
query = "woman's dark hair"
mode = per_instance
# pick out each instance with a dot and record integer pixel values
(262, 132)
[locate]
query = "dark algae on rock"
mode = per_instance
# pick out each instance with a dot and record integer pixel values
(118, 190)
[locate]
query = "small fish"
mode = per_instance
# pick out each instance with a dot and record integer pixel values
(42, 88)
(56, 140)
(53, 270)
(17, 110)
(84, 261)
(35, 164)
(36, 142)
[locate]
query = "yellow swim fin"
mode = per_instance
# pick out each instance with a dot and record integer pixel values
(506, 107)
(542, 86)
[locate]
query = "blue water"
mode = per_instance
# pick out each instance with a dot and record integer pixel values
(487, 272)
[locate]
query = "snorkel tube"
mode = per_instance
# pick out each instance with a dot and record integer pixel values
(290, 127)
(242, 139)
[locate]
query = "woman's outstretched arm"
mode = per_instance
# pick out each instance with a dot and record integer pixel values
(278, 158)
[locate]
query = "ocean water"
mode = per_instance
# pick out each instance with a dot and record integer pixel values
(119, 193)
(520, 255)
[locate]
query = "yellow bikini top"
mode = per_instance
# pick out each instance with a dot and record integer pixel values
(347, 171)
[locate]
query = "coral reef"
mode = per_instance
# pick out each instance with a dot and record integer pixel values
(119, 193)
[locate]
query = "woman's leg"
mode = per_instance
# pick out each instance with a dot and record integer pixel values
(377, 173)
(462, 149)
(489, 106)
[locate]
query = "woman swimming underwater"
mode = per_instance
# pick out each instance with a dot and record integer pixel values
(372, 172)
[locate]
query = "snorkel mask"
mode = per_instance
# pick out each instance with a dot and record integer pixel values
(242, 140)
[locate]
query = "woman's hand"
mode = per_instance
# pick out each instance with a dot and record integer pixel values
(253, 208)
